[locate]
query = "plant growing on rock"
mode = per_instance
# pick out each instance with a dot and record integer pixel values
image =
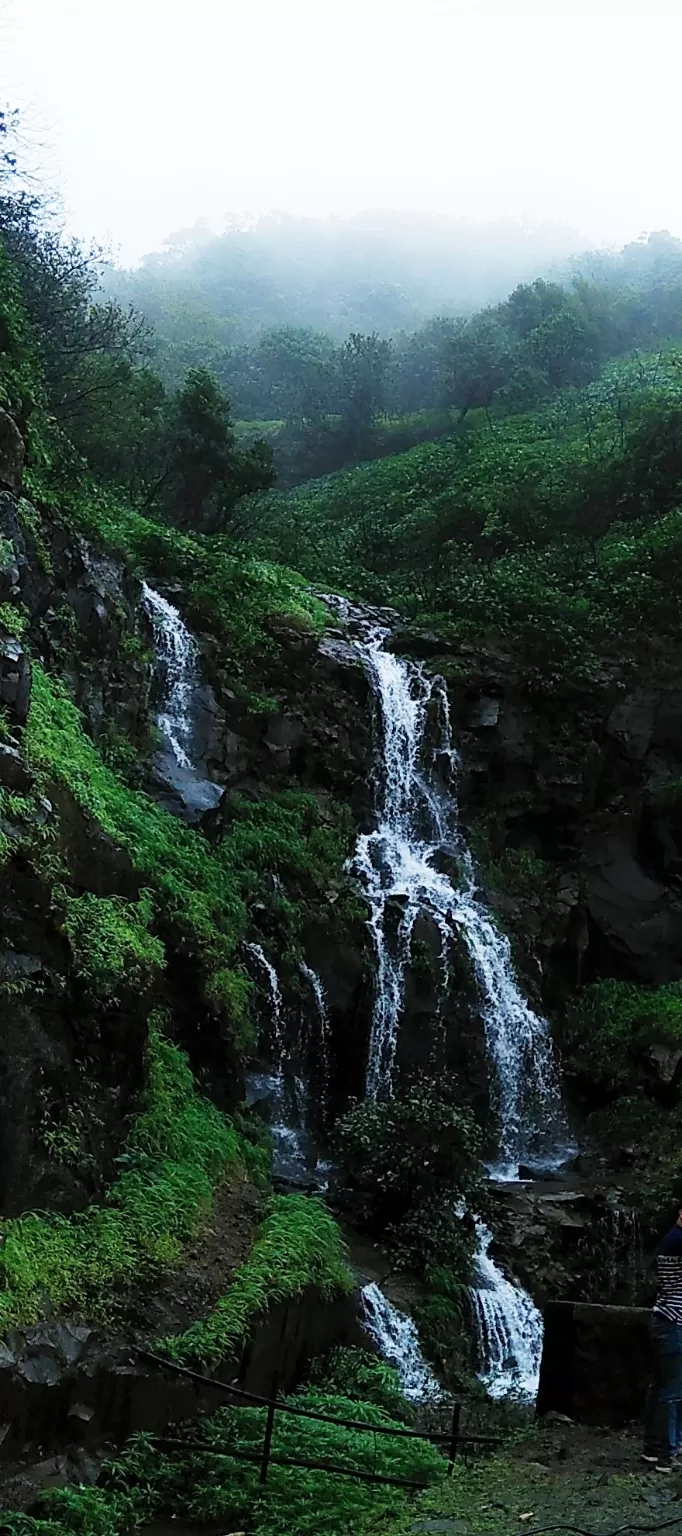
(415, 1158)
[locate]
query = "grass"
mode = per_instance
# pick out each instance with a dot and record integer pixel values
(299, 1245)
(179, 1149)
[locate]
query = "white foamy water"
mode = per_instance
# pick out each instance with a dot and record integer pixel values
(276, 1018)
(320, 997)
(396, 1337)
(397, 867)
(178, 654)
(509, 1328)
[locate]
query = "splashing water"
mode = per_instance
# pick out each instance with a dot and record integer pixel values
(395, 865)
(509, 1328)
(178, 654)
(398, 1341)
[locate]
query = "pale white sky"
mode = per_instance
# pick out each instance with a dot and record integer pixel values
(155, 112)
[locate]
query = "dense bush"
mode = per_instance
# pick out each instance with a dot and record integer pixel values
(415, 1158)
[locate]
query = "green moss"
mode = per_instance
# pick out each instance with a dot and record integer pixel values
(299, 1245)
(201, 889)
(111, 943)
(178, 1150)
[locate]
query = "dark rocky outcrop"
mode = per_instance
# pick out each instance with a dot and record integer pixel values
(596, 1362)
(63, 1382)
(12, 454)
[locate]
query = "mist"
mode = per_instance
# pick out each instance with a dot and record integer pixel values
(151, 115)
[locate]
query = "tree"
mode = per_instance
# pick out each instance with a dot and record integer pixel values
(477, 361)
(365, 362)
(206, 473)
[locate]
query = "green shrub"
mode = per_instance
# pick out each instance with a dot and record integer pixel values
(414, 1157)
(299, 1245)
(111, 943)
(364, 1377)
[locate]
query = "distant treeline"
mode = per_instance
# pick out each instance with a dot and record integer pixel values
(323, 401)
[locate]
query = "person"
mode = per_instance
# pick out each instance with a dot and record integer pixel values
(663, 1414)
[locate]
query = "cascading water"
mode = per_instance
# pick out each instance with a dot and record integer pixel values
(508, 1328)
(318, 992)
(402, 866)
(283, 1091)
(178, 662)
(396, 1337)
(396, 866)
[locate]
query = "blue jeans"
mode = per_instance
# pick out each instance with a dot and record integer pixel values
(663, 1413)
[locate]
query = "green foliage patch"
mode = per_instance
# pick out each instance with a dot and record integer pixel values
(611, 1026)
(413, 1158)
(200, 888)
(178, 1150)
(111, 943)
(299, 1245)
(211, 1487)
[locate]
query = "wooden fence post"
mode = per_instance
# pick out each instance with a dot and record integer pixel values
(269, 1425)
(454, 1435)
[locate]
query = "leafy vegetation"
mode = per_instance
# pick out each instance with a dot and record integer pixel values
(299, 1245)
(414, 1158)
(111, 943)
(210, 1486)
(178, 1149)
(201, 890)
(612, 1025)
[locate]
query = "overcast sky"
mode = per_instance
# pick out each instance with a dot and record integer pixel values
(152, 113)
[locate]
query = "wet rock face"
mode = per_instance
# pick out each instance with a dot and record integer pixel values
(319, 736)
(12, 454)
(85, 621)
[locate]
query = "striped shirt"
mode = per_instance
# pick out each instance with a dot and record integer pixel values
(669, 1275)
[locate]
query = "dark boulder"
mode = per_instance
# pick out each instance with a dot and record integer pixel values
(596, 1362)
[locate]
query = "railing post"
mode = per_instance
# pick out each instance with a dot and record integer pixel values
(454, 1435)
(269, 1425)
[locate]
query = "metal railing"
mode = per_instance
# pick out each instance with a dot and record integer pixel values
(453, 1438)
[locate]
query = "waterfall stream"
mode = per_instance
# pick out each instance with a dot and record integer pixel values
(177, 663)
(397, 865)
(404, 868)
(396, 1337)
(508, 1328)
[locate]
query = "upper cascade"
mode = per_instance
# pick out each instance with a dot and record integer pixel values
(416, 820)
(177, 662)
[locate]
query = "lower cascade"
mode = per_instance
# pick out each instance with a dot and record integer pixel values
(509, 1328)
(398, 1341)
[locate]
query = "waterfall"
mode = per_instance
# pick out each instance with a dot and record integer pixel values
(276, 1006)
(396, 866)
(177, 658)
(508, 1328)
(296, 1159)
(177, 652)
(318, 992)
(398, 1341)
